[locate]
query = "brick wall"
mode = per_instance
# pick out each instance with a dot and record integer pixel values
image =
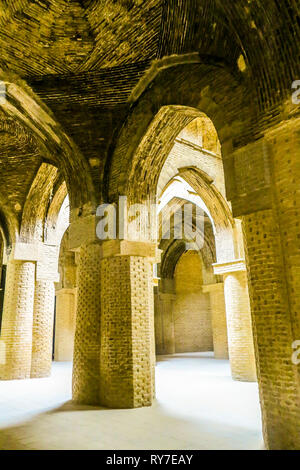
(191, 307)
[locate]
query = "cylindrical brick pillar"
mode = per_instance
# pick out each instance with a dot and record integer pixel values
(16, 333)
(42, 331)
(218, 319)
(65, 324)
(239, 325)
(127, 325)
(87, 334)
(65, 318)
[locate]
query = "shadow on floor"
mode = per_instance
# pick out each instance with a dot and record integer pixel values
(198, 406)
(71, 426)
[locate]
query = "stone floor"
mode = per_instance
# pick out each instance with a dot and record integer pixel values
(198, 406)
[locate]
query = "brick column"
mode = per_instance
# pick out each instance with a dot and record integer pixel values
(16, 333)
(265, 193)
(86, 362)
(42, 330)
(238, 315)
(127, 324)
(65, 324)
(218, 319)
(283, 428)
(43, 312)
(273, 326)
(65, 319)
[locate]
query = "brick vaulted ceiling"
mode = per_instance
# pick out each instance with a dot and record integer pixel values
(62, 36)
(83, 58)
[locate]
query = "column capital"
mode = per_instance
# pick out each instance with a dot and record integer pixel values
(25, 251)
(33, 251)
(112, 248)
(230, 267)
(82, 231)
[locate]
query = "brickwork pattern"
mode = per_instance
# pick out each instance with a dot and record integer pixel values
(127, 349)
(239, 327)
(87, 335)
(66, 299)
(192, 316)
(105, 69)
(16, 334)
(286, 175)
(183, 154)
(150, 283)
(42, 330)
(278, 381)
(65, 324)
(218, 319)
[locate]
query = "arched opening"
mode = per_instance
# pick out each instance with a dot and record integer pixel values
(56, 235)
(113, 99)
(192, 320)
(32, 262)
(183, 320)
(184, 310)
(201, 299)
